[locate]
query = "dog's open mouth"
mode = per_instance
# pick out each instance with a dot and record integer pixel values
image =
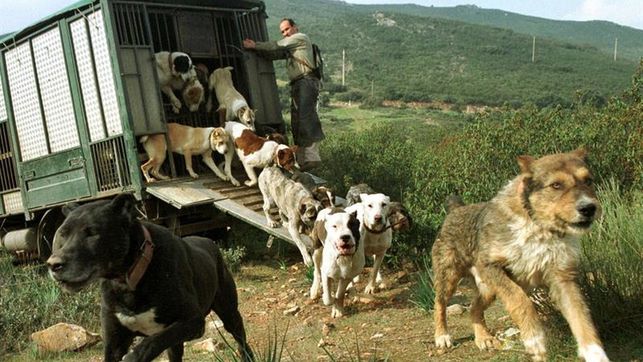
(346, 249)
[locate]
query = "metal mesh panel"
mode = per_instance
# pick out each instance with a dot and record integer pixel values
(110, 164)
(26, 107)
(105, 75)
(13, 202)
(89, 89)
(3, 109)
(8, 179)
(54, 89)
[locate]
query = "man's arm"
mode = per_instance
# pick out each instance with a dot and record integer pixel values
(270, 50)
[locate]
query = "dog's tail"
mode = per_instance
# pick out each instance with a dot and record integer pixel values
(453, 202)
(142, 139)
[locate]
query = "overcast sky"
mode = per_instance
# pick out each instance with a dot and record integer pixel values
(17, 14)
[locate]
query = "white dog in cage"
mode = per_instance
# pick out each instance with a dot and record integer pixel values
(176, 72)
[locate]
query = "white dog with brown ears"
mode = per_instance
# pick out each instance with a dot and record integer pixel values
(231, 103)
(297, 206)
(175, 71)
(187, 141)
(338, 255)
(373, 214)
(255, 151)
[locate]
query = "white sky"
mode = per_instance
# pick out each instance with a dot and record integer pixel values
(17, 14)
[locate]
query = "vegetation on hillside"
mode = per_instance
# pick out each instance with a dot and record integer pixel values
(478, 159)
(412, 58)
(597, 34)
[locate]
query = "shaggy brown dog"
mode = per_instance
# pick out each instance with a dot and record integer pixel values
(527, 236)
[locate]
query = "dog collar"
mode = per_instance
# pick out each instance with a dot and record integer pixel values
(137, 270)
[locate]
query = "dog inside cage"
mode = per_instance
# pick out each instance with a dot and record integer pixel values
(194, 42)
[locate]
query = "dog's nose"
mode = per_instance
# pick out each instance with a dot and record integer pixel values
(378, 218)
(345, 238)
(55, 263)
(587, 209)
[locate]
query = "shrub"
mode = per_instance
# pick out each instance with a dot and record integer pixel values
(477, 160)
(351, 95)
(233, 257)
(612, 272)
(423, 294)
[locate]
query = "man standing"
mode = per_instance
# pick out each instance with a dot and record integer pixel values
(297, 48)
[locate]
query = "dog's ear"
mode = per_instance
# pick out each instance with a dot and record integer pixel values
(125, 204)
(362, 197)
(525, 163)
(318, 234)
(353, 225)
(581, 153)
(182, 63)
(302, 207)
(68, 208)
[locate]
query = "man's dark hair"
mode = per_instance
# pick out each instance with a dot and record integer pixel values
(289, 20)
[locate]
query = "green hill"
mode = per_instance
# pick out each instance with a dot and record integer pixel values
(599, 34)
(421, 58)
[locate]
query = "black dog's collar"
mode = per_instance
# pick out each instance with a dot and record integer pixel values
(137, 270)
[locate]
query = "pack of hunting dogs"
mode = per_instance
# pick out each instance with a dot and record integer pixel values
(160, 286)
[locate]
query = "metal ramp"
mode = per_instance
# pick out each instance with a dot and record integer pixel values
(244, 203)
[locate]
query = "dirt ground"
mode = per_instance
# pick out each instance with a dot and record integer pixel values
(386, 326)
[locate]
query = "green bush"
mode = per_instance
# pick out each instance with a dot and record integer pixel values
(477, 160)
(612, 267)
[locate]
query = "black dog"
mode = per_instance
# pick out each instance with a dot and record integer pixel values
(153, 283)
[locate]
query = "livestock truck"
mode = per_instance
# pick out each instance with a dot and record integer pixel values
(79, 88)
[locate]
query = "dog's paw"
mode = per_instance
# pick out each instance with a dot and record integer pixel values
(194, 175)
(443, 341)
(487, 342)
(130, 357)
(370, 289)
(593, 353)
(249, 183)
(337, 312)
(176, 106)
(314, 292)
(234, 181)
(307, 259)
(274, 224)
(535, 347)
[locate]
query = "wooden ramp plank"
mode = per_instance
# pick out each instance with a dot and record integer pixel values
(258, 220)
(183, 193)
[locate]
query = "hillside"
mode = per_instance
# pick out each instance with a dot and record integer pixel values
(418, 58)
(599, 34)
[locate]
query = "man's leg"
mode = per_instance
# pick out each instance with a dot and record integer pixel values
(306, 127)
